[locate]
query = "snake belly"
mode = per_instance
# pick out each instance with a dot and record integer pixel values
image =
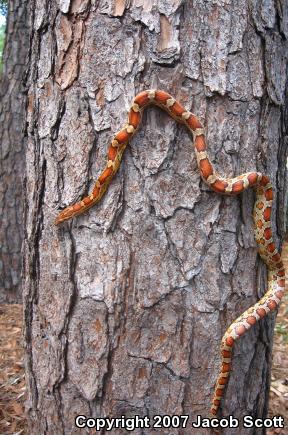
(225, 186)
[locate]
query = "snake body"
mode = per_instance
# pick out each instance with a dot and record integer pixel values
(225, 186)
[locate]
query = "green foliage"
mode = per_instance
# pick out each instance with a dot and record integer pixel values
(3, 7)
(281, 329)
(2, 37)
(3, 12)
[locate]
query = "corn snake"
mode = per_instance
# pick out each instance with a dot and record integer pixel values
(226, 186)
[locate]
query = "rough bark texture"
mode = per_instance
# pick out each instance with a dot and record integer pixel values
(12, 144)
(125, 307)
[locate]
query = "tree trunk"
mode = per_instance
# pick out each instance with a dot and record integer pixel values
(12, 144)
(125, 307)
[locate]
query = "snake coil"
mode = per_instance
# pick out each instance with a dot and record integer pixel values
(225, 186)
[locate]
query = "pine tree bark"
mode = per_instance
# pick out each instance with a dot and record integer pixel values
(125, 306)
(12, 147)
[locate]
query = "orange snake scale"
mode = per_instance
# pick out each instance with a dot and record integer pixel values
(226, 186)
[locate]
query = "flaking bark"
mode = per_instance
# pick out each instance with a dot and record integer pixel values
(126, 305)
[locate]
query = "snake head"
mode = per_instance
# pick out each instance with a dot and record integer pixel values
(64, 215)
